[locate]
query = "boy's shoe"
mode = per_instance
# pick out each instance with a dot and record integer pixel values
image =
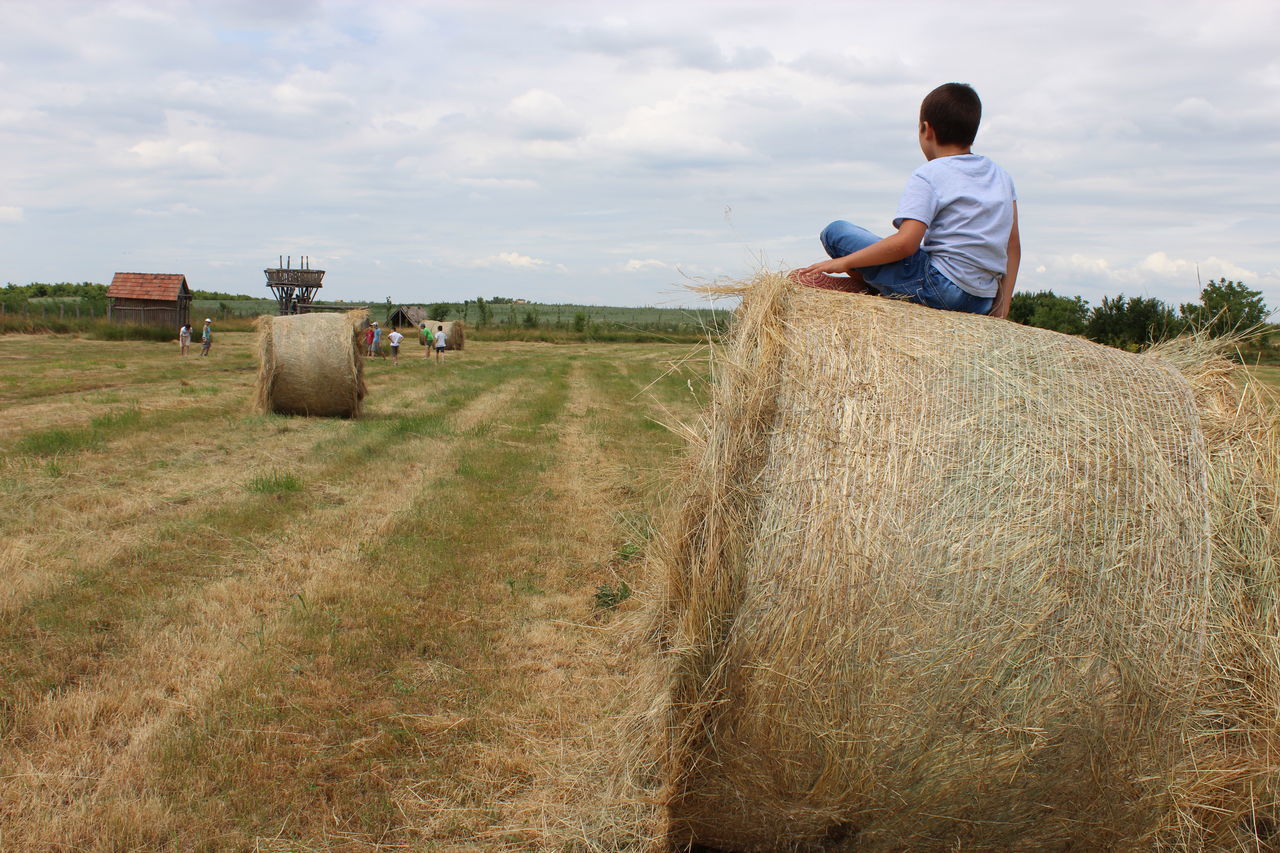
(822, 281)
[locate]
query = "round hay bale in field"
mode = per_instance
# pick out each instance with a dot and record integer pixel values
(310, 364)
(938, 581)
(455, 333)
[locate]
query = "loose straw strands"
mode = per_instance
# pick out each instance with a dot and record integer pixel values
(939, 580)
(310, 364)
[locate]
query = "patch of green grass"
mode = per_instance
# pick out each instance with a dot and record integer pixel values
(52, 442)
(628, 551)
(275, 483)
(116, 421)
(609, 597)
(56, 441)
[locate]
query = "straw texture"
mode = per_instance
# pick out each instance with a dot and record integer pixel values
(937, 581)
(455, 333)
(310, 364)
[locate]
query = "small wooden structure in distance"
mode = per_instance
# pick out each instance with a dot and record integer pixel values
(294, 289)
(406, 316)
(150, 299)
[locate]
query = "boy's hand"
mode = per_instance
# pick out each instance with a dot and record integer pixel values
(835, 266)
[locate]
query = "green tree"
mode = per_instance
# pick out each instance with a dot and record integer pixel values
(1225, 307)
(1131, 323)
(484, 312)
(1047, 310)
(441, 310)
(530, 320)
(580, 321)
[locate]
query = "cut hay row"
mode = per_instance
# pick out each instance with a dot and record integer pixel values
(85, 749)
(310, 364)
(937, 581)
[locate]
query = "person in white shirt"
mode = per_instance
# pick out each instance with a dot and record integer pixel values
(394, 339)
(441, 342)
(957, 246)
(184, 339)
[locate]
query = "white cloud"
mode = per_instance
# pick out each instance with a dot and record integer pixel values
(178, 209)
(1160, 264)
(500, 183)
(513, 260)
(421, 133)
(200, 155)
(1171, 279)
(538, 114)
(635, 265)
(311, 92)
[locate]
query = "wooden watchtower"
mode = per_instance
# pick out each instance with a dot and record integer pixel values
(294, 288)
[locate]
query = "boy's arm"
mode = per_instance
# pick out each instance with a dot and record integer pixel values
(895, 247)
(1000, 308)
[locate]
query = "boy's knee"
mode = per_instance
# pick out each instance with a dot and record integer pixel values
(832, 229)
(831, 234)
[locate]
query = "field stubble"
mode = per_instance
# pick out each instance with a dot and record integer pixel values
(399, 648)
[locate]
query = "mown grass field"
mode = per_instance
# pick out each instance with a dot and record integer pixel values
(223, 631)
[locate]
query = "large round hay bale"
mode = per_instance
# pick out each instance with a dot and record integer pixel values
(310, 364)
(938, 581)
(455, 333)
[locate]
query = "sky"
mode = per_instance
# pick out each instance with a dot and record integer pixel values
(612, 153)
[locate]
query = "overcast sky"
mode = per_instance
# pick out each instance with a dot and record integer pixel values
(603, 152)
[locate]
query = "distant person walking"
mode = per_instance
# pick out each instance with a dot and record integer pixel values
(184, 339)
(206, 337)
(394, 339)
(377, 341)
(441, 343)
(368, 340)
(425, 338)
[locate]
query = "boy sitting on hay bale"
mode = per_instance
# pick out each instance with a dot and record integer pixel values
(957, 245)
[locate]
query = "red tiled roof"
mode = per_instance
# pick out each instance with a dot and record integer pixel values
(147, 285)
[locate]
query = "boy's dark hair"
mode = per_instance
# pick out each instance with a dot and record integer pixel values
(953, 110)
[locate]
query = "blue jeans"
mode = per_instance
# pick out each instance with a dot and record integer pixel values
(914, 277)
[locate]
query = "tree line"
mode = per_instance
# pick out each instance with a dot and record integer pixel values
(1133, 322)
(17, 294)
(1119, 321)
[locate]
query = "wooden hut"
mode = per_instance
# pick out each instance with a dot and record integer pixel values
(406, 316)
(150, 299)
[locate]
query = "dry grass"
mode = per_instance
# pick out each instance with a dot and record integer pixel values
(383, 655)
(936, 581)
(403, 652)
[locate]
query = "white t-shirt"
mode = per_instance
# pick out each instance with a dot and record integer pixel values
(966, 203)
(395, 338)
(184, 334)
(440, 339)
